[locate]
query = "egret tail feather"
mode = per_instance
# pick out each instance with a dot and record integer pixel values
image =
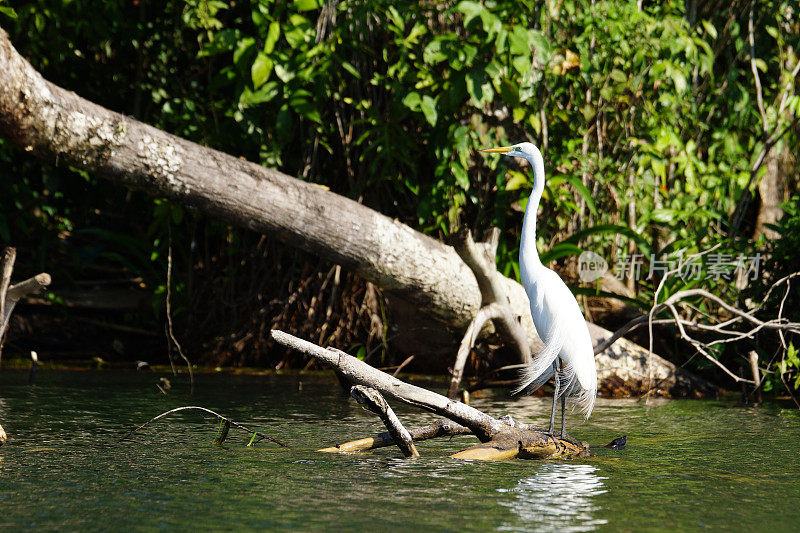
(582, 398)
(539, 371)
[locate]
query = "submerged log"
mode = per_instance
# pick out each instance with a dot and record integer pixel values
(524, 444)
(502, 437)
(440, 428)
(57, 125)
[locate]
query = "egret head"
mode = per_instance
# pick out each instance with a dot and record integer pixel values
(524, 150)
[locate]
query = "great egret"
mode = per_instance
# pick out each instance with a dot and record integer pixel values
(568, 355)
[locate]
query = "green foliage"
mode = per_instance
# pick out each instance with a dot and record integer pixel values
(647, 119)
(7, 11)
(791, 364)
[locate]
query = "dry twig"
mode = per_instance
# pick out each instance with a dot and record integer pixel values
(223, 418)
(169, 319)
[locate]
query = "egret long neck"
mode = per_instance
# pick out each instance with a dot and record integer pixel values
(528, 254)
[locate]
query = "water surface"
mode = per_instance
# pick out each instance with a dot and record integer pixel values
(688, 464)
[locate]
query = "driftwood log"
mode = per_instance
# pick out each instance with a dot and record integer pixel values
(59, 126)
(500, 438)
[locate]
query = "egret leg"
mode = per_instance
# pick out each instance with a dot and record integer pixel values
(563, 408)
(556, 384)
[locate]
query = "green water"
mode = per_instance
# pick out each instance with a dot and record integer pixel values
(688, 465)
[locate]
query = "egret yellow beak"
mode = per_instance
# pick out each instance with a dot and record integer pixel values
(500, 150)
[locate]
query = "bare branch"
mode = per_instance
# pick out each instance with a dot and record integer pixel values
(226, 419)
(9, 256)
(501, 439)
(485, 314)
(754, 69)
(169, 318)
(480, 258)
(359, 372)
(375, 403)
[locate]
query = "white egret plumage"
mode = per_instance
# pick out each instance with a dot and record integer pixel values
(568, 356)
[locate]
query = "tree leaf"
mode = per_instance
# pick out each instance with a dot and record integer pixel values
(306, 5)
(428, 106)
(412, 101)
(8, 11)
(273, 33)
(712, 31)
(517, 181)
(261, 69)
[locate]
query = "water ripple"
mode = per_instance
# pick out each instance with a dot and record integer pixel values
(559, 496)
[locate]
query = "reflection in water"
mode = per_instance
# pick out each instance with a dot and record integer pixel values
(559, 497)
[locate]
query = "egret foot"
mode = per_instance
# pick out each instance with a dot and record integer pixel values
(569, 439)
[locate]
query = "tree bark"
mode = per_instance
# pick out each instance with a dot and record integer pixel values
(480, 258)
(11, 294)
(772, 190)
(16, 292)
(59, 126)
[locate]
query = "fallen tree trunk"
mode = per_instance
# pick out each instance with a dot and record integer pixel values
(59, 126)
(501, 438)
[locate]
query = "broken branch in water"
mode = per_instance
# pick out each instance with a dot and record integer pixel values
(375, 403)
(440, 428)
(501, 438)
(360, 373)
(228, 422)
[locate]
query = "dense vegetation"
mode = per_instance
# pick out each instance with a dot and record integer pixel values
(658, 121)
